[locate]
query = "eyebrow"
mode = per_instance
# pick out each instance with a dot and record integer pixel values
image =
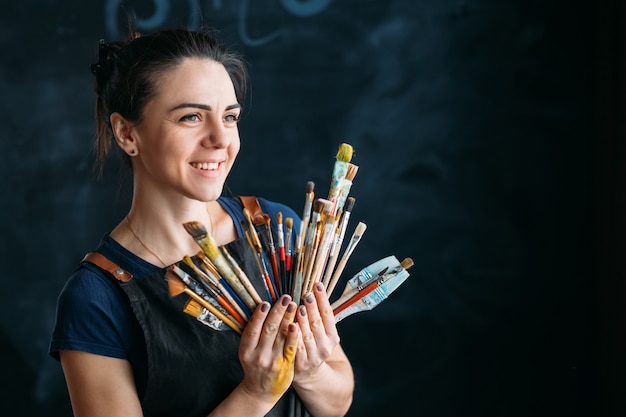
(203, 106)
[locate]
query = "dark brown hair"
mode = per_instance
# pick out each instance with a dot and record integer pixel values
(126, 74)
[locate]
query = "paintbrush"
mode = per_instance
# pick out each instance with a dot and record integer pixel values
(213, 290)
(312, 240)
(340, 232)
(272, 254)
(288, 254)
(241, 275)
(282, 256)
(177, 286)
(371, 292)
(306, 216)
(211, 249)
(345, 185)
(356, 238)
(328, 222)
(255, 244)
(340, 168)
(226, 290)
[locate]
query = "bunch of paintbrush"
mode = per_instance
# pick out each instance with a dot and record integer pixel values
(228, 282)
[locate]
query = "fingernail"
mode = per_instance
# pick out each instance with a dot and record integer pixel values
(264, 307)
(292, 327)
(302, 311)
(309, 298)
(291, 308)
(320, 287)
(285, 300)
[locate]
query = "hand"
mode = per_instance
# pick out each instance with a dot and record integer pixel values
(319, 332)
(268, 349)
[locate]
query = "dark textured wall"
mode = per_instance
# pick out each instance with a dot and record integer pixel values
(472, 128)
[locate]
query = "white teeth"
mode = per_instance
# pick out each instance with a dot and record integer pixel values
(206, 165)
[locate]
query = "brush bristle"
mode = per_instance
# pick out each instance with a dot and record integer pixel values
(360, 229)
(193, 308)
(279, 217)
(310, 185)
(344, 154)
(350, 204)
(319, 204)
(406, 263)
(195, 229)
(351, 172)
(174, 283)
(289, 222)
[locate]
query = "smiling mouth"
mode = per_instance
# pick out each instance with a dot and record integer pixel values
(206, 166)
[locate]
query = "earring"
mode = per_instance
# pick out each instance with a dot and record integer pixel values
(132, 151)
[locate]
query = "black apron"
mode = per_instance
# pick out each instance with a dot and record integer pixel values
(191, 367)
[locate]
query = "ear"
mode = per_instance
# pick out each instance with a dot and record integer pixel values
(122, 130)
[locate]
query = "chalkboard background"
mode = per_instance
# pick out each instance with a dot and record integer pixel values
(472, 128)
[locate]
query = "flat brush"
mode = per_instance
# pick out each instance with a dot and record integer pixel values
(356, 238)
(213, 290)
(245, 281)
(273, 258)
(340, 168)
(226, 290)
(340, 232)
(312, 240)
(211, 249)
(177, 286)
(328, 223)
(282, 256)
(257, 248)
(370, 293)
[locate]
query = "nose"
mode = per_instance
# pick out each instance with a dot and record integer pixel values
(216, 135)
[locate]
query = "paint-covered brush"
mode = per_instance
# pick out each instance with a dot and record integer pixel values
(272, 254)
(340, 233)
(177, 286)
(255, 244)
(226, 290)
(365, 290)
(282, 255)
(213, 290)
(354, 240)
(340, 169)
(211, 249)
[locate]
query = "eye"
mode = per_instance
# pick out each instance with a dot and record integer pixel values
(194, 117)
(231, 118)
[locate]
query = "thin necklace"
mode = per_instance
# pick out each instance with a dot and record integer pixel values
(146, 246)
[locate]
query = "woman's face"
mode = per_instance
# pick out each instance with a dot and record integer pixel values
(188, 137)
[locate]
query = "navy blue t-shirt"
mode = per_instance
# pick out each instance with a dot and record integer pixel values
(93, 312)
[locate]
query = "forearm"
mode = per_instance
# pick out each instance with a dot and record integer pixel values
(242, 403)
(327, 392)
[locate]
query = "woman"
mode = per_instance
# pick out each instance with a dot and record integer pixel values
(171, 102)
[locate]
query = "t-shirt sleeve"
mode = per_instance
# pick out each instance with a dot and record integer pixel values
(92, 316)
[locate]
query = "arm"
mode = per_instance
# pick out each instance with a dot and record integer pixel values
(323, 375)
(101, 386)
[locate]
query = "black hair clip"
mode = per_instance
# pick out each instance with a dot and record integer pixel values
(104, 52)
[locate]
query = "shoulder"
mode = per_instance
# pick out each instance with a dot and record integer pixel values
(92, 315)
(273, 208)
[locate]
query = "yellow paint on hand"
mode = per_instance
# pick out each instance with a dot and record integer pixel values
(285, 373)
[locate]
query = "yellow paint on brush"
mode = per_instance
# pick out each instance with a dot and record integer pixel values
(344, 154)
(285, 373)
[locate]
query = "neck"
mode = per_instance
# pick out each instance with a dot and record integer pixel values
(158, 236)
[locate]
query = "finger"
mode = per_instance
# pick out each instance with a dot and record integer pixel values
(325, 310)
(271, 327)
(313, 315)
(252, 331)
(307, 339)
(285, 372)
